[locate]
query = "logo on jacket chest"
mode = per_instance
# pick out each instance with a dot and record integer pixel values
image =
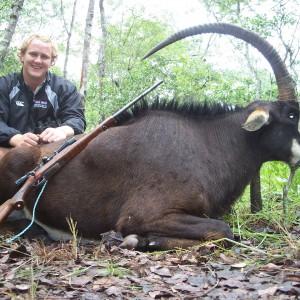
(40, 104)
(19, 103)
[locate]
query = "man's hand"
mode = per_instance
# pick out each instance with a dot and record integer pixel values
(28, 139)
(50, 135)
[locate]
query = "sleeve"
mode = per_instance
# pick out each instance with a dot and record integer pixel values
(6, 132)
(71, 111)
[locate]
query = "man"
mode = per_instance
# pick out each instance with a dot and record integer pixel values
(37, 106)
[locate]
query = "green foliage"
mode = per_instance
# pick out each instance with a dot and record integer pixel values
(39, 16)
(5, 9)
(274, 177)
(11, 63)
(185, 71)
(272, 218)
(125, 74)
(274, 20)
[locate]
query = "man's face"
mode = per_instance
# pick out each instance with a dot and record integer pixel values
(36, 61)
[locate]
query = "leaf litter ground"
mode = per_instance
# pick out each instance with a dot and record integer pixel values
(37, 270)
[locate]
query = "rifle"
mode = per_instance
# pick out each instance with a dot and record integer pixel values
(60, 158)
(21, 180)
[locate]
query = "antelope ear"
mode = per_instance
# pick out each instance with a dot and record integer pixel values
(256, 120)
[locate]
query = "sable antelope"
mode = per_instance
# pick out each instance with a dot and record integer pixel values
(168, 172)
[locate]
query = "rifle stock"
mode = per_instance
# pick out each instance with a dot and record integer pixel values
(16, 202)
(58, 161)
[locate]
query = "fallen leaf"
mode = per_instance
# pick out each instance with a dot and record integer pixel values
(227, 260)
(186, 287)
(289, 288)
(4, 259)
(177, 278)
(271, 267)
(47, 281)
(232, 283)
(189, 257)
(22, 287)
(227, 274)
(80, 281)
(9, 275)
(292, 277)
(105, 281)
(198, 281)
(114, 291)
(9, 285)
(154, 294)
(268, 291)
(162, 271)
(239, 265)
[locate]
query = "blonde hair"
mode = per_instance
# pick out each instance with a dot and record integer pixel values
(24, 46)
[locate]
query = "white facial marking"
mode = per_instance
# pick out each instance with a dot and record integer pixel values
(295, 152)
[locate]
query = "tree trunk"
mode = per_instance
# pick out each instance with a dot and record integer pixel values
(101, 54)
(16, 8)
(255, 194)
(69, 33)
(86, 48)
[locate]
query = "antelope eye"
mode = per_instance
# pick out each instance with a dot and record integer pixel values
(292, 116)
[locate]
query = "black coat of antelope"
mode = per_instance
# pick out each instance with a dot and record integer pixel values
(167, 173)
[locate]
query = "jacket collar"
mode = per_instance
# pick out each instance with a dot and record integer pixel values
(22, 82)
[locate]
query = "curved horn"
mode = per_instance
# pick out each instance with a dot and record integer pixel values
(285, 83)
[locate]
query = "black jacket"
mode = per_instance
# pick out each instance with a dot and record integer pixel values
(55, 104)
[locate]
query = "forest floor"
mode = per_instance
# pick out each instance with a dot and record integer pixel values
(249, 270)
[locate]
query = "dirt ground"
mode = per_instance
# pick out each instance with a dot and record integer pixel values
(33, 270)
